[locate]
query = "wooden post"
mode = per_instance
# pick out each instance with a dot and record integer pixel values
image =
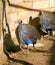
(2, 55)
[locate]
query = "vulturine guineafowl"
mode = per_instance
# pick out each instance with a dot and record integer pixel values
(45, 23)
(42, 23)
(28, 34)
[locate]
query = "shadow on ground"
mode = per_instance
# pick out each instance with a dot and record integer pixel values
(52, 57)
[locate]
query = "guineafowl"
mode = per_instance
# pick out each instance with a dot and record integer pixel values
(28, 34)
(42, 24)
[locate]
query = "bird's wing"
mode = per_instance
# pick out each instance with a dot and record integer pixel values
(31, 31)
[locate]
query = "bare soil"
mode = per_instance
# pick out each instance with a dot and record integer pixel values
(44, 55)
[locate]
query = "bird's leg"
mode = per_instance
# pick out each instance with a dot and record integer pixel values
(49, 35)
(34, 47)
(21, 47)
(27, 52)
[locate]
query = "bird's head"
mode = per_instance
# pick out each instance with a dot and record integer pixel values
(19, 21)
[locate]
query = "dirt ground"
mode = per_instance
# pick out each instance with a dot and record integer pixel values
(43, 55)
